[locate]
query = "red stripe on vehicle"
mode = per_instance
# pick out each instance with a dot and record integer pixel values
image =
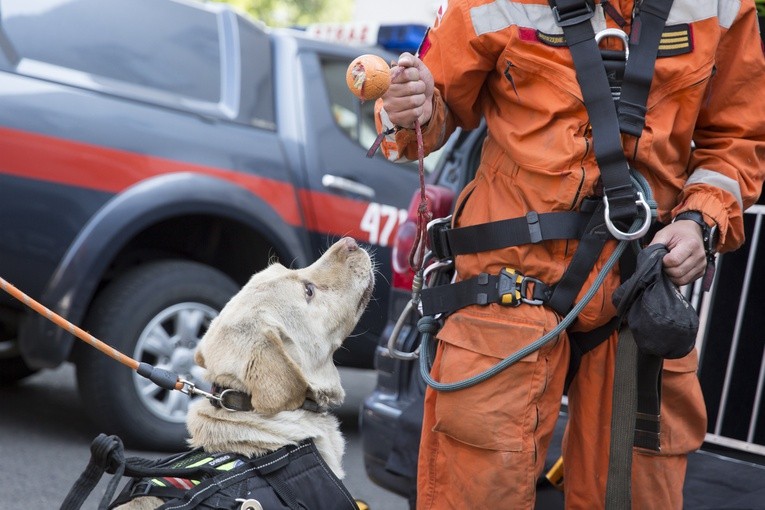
(334, 215)
(89, 166)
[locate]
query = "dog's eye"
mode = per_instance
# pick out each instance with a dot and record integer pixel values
(310, 290)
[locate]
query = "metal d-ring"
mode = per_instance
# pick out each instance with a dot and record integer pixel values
(393, 339)
(619, 34)
(629, 236)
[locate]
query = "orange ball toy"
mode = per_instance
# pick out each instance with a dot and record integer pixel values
(368, 77)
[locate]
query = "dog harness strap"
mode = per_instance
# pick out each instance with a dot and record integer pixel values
(107, 454)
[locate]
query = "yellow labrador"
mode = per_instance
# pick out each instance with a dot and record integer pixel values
(270, 350)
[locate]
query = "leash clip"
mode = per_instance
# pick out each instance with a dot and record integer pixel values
(190, 389)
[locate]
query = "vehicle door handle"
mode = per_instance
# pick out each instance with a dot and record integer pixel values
(343, 184)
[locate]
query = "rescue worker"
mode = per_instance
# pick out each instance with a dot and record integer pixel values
(702, 149)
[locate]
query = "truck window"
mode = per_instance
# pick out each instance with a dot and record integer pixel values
(99, 37)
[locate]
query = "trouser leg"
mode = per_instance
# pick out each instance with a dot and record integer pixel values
(485, 446)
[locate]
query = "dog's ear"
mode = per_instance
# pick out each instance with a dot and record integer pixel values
(274, 380)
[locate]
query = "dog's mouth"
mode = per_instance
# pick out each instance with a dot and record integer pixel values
(366, 296)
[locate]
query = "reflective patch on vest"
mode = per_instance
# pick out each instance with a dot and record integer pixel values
(676, 40)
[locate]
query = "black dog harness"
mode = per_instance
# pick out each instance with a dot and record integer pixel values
(294, 477)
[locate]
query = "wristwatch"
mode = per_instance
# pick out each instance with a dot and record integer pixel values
(708, 234)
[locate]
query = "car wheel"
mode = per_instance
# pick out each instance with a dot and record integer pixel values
(157, 313)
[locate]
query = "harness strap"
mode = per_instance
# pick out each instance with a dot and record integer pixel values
(573, 16)
(530, 229)
(587, 253)
(107, 452)
(647, 28)
(624, 409)
(508, 288)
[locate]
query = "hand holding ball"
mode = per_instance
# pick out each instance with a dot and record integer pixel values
(368, 77)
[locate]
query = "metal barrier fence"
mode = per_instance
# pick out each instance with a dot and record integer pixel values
(731, 343)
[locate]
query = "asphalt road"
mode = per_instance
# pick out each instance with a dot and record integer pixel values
(45, 442)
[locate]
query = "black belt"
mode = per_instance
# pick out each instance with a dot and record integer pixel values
(509, 288)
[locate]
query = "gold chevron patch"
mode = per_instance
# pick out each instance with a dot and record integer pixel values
(676, 40)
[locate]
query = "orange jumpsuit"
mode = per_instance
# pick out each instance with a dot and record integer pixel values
(484, 447)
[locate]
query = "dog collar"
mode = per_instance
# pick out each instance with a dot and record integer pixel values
(235, 400)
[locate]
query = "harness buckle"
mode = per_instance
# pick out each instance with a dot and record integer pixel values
(629, 236)
(573, 16)
(439, 244)
(509, 287)
(513, 287)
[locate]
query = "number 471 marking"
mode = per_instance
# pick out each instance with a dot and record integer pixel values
(381, 221)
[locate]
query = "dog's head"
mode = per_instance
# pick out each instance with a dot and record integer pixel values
(275, 338)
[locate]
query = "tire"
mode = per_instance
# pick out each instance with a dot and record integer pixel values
(155, 313)
(12, 367)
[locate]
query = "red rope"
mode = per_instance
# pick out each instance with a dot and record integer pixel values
(424, 215)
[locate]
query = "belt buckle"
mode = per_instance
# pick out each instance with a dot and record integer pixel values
(509, 287)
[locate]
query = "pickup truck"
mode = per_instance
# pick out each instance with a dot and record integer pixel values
(154, 154)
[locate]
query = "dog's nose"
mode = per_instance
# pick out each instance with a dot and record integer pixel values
(349, 244)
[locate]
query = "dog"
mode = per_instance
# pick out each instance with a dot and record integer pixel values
(271, 347)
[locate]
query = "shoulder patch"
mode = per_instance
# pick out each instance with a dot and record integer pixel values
(533, 35)
(676, 40)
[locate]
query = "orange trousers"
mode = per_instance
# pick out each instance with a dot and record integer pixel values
(484, 447)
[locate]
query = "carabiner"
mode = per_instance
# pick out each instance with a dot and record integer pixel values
(393, 339)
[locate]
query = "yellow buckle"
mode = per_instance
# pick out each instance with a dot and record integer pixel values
(509, 290)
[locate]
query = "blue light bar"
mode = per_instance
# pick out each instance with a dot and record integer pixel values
(398, 38)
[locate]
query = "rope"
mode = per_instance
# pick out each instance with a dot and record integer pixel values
(159, 376)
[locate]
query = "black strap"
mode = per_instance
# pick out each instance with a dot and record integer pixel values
(647, 28)
(647, 426)
(585, 256)
(623, 412)
(480, 290)
(573, 16)
(530, 229)
(106, 454)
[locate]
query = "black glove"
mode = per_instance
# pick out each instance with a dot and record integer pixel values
(662, 321)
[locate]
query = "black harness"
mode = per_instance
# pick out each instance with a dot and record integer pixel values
(294, 477)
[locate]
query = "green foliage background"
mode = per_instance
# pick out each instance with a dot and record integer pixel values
(282, 13)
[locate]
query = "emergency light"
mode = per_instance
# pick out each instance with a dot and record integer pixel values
(395, 38)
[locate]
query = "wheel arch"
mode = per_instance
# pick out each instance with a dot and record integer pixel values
(184, 215)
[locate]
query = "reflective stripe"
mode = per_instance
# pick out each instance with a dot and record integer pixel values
(501, 14)
(497, 16)
(716, 179)
(697, 10)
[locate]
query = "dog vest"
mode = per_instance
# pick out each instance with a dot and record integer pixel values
(294, 477)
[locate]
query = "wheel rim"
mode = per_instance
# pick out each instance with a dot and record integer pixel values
(168, 341)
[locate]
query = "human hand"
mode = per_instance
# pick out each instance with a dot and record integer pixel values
(410, 95)
(686, 260)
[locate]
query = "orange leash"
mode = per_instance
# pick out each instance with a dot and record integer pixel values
(158, 376)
